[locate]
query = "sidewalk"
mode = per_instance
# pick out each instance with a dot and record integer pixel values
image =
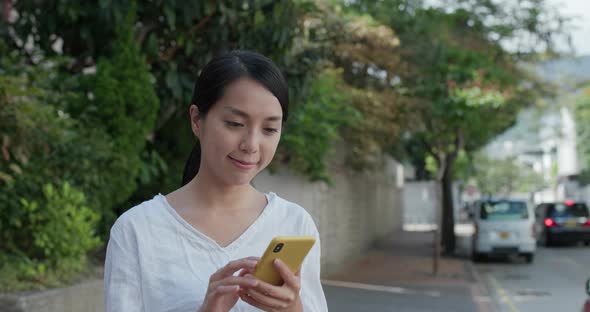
(397, 275)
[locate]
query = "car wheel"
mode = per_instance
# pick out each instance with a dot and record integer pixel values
(548, 239)
(477, 257)
(587, 243)
(529, 257)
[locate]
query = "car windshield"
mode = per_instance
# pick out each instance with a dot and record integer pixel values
(568, 211)
(504, 210)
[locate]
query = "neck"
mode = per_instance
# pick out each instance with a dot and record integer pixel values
(213, 194)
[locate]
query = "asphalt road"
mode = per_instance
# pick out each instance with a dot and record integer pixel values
(553, 282)
(403, 299)
(400, 296)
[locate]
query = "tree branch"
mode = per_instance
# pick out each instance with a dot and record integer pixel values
(6, 10)
(169, 53)
(143, 32)
(459, 142)
(429, 149)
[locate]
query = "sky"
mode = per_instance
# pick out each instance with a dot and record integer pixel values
(580, 10)
(581, 33)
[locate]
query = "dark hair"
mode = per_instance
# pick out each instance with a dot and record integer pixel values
(218, 74)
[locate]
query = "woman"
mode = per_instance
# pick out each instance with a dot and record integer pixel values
(194, 249)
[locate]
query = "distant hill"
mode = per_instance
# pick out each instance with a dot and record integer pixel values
(565, 69)
(535, 125)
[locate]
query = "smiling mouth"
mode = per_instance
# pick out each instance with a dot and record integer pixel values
(242, 164)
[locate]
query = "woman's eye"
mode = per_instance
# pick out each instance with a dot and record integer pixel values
(271, 130)
(233, 124)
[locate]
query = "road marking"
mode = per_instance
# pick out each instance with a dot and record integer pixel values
(504, 297)
(530, 295)
(485, 299)
(480, 291)
(572, 262)
(381, 288)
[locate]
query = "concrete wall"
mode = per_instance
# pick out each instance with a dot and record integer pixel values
(420, 204)
(358, 209)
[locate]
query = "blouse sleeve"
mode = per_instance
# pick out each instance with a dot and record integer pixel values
(122, 281)
(312, 293)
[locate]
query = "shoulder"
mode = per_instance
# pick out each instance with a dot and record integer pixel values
(296, 214)
(139, 216)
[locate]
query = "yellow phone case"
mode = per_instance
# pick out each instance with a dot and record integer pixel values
(290, 249)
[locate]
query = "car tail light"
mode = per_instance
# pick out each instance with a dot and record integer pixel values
(549, 222)
(587, 222)
(534, 230)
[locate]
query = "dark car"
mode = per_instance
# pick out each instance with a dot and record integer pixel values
(567, 222)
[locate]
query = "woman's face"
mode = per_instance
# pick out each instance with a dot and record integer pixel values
(240, 133)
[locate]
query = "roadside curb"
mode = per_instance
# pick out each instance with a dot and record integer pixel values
(479, 291)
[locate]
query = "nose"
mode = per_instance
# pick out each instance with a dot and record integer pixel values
(249, 142)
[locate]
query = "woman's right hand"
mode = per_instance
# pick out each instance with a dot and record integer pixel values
(223, 290)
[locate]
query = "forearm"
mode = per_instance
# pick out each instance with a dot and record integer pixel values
(298, 305)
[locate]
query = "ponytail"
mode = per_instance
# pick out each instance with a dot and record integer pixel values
(191, 168)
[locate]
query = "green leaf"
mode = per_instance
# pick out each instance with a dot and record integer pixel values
(173, 82)
(6, 177)
(152, 44)
(258, 18)
(170, 17)
(15, 168)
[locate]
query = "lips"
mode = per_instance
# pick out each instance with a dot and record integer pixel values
(242, 164)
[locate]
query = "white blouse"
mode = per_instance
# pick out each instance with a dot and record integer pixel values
(156, 261)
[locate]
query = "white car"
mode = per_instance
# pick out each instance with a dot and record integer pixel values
(503, 227)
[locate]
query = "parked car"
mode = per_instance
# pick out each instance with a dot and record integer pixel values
(567, 222)
(503, 227)
(587, 305)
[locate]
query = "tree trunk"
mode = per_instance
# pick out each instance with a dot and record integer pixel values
(420, 170)
(6, 10)
(448, 215)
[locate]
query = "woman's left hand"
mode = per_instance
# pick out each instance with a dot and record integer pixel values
(283, 298)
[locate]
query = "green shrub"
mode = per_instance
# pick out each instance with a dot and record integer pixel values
(63, 227)
(61, 232)
(316, 124)
(71, 150)
(122, 101)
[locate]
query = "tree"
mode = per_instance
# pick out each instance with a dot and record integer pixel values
(177, 38)
(123, 102)
(48, 223)
(464, 85)
(366, 52)
(582, 115)
(504, 177)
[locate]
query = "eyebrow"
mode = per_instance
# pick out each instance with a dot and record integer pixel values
(240, 113)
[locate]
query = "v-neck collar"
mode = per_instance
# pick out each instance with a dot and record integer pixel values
(211, 242)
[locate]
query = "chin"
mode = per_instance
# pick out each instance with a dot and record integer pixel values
(239, 179)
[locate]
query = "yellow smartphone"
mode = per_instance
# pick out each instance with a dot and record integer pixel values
(290, 249)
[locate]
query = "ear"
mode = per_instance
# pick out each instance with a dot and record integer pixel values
(195, 120)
